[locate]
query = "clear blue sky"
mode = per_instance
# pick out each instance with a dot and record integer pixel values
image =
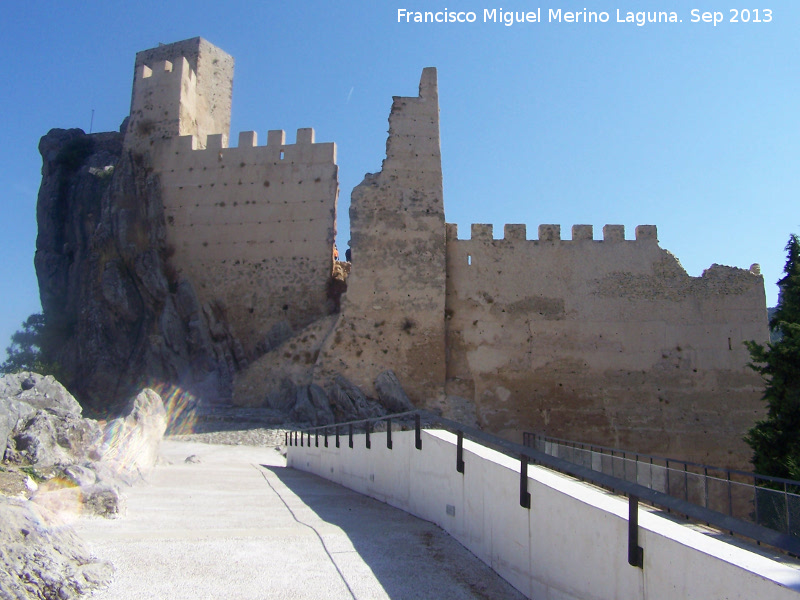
(688, 126)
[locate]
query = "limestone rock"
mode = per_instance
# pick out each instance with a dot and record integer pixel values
(21, 394)
(121, 312)
(40, 391)
(50, 437)
(322, 406)
(42, 558)
(103, 500)
(391, 393)
(131, 443)
(303, 410)
(11, 412)
(80, 475)
(350, 403)
(341, 402)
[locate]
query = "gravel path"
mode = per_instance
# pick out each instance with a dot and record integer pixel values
(260, 436)
(235, 426)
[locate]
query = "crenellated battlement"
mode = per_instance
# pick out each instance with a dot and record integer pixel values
(552, 233)
(214, 148)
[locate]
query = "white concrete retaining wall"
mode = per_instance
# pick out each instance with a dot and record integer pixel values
(571, 544)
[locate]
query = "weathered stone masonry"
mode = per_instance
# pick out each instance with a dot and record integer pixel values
(252, 226)
(608, 341)
(392, 314)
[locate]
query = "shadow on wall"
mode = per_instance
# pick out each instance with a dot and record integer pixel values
(409, 557)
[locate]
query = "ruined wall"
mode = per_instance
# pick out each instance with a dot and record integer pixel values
(253, 226)
(603, 341)
(392, 314)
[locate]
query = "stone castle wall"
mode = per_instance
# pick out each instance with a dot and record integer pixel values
(608, 341)
(252, 227)
(392, 314)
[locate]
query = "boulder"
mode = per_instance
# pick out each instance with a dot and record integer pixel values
(103, 500)
(11, 413)
(40, 391)
(80, 475)
(322, 406)
(391, 393)
(303, 410)
(43, 558)
(341, 402)
(131, 444)
(22, 394)
(51, 437)
(350, 403)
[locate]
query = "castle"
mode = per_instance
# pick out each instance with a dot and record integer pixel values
(605, 340)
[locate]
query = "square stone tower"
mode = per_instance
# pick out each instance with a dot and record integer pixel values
(183, 88)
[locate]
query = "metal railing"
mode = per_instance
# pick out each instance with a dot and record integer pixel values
(768, 501)
(621, 477)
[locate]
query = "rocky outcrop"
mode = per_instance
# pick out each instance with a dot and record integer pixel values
(78, 464)
(25, 393)
(350, 403)
(41, 558)
(57, 466)
(53, 471)
(391, 393)
(117, 313)
(41, 423)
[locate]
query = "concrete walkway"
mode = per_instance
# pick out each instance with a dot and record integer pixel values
(241, 525)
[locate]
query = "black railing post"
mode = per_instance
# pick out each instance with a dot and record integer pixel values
(369, 442)
(316, 438)
(417, 432)
(350, 443)
(635, 551)
(285, 438)
(302, 439)
(389, 434)
(309, 439)
(460, 452)
(685, 483)
(337, 436)
(524, 494)
(786, 503)
(730, 495)
(755, 499)
(326, 437)
(295, 438)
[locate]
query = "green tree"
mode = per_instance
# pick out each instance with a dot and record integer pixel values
(28, 349)
(775, 440)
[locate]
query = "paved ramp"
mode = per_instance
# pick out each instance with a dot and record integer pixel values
(241, 525)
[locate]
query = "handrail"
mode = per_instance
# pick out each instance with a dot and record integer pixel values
(633, 490)
(605, 449)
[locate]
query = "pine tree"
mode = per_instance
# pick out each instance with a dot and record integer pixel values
(775, 440)
(28, 349)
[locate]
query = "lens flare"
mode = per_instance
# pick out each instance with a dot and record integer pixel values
(181, 406)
